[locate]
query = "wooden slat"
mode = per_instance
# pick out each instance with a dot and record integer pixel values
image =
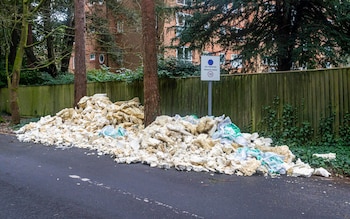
(241, 97)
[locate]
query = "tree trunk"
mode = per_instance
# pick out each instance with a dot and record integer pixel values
(31, 58)
(15, 38)
(52, 69)
(51, 57)
(80, 87)
(14, 105)
(32, 61)
(150, 81)
(68, 41)
(284, 29)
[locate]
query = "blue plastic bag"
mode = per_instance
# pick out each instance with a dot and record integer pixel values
(112, 132)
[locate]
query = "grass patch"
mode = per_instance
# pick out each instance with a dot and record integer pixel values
(340, 166)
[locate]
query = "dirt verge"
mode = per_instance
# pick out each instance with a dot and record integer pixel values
(5, 125)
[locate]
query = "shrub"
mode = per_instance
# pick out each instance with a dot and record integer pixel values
(3, 79)
(34, 78)
(170, 68)
(61, 78)
(282, 128)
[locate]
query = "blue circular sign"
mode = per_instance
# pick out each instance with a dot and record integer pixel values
(210, 62)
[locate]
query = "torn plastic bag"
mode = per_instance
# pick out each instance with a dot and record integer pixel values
(273, 162)
(193, 119)
(112, 132)
(322, 172)
(300, 169)
(229, 131)
(245, 152)
(329, 156)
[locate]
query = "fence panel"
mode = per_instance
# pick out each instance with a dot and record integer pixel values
(315, 93)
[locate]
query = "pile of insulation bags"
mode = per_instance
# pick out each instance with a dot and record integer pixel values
(186, 143)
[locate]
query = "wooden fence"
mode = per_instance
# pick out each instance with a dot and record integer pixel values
(316, 93)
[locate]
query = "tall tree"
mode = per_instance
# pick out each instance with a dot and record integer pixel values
(50, 34)
(68, 39)
(150, 81)
(80, 80)
(286, 32)
(23, 40)
(52, 69)
(52, 37)
(6, 26)
(16, 70)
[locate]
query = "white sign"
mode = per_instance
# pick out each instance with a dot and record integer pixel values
(210, 68)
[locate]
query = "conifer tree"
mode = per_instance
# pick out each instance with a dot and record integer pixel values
(288, 33)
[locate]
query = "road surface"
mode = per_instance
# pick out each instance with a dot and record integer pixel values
(39, 181)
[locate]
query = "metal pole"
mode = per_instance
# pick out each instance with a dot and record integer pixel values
(210, 87)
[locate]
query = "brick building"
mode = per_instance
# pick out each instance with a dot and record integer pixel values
(127, 37)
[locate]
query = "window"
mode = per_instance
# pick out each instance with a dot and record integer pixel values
(236, 34)
(92, 2)
(92, 57)
(184, 2)
(184, 54)
(101, 58)
(120, 26)
(181, 19)
(206, 53)
(236, 61)
(222, 30)
(180, 22)
(225, 9)
(268, 61)
(206, 26)
(269, 7)
(222, 58)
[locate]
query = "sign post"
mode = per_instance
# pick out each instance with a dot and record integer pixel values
(210, 71)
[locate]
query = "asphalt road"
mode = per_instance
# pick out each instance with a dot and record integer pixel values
(38, 181)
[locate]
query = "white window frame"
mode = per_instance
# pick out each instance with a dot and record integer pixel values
(120, 26)
(93, 2)
(184, 15)
(236, 63)
(101, 58)
(184, 2)
(206, 26)
(180, 25)
(185, 57)
(222, 58)
(269, 61)
(206, 53)
(92, 57)
(225, 8)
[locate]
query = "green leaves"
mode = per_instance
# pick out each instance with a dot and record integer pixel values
(298, 33)
(283, 129)
(340, 165)
(170, 68)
